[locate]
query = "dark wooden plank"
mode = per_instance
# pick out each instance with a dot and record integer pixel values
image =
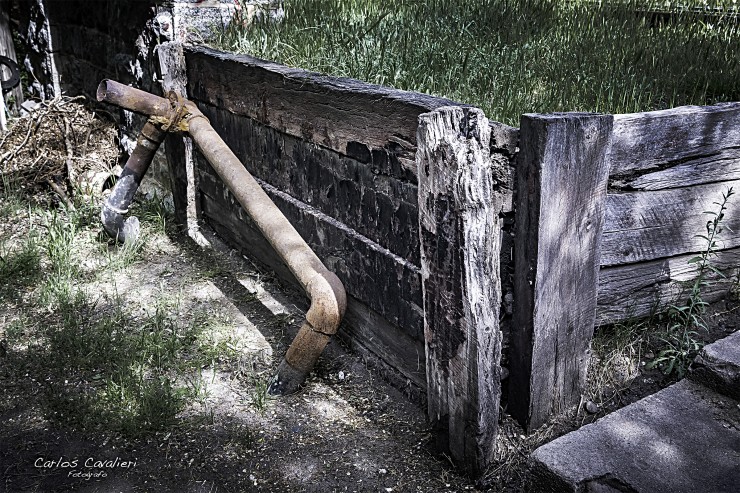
(642, 226)
(7, 49)
(364, 328)
(367, 197)
(369, 272)
(638, 290)
(561, 191)
(645, 142)
(346, 115)
(459, 224)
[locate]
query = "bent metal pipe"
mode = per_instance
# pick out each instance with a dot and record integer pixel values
(323, 287)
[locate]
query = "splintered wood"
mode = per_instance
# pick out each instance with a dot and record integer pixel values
(459, 206)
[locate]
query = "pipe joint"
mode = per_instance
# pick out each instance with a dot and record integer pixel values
(328, 298)
(328, 302)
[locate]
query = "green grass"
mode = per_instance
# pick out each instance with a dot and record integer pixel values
(509, 57)
(103, 363)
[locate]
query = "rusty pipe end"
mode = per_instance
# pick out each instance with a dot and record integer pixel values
(115, 208)
(102, 91)
(328, 304)
(110, 91)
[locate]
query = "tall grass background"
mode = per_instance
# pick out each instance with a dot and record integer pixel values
(510, 57)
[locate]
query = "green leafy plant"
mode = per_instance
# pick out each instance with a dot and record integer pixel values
(682, 339)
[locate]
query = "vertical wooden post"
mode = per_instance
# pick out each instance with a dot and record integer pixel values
(459, 207)
(7, 49)
(562, 179)
(179, 148)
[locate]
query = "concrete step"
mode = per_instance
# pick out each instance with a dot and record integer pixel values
(718, 367)
(685, 438)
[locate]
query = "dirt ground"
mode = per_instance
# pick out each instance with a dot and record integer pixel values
(347, 430)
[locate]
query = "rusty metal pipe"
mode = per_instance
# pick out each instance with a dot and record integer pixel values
(133, 99)
(323, 287)
(115, 207)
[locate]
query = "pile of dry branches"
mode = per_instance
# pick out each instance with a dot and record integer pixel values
(59, 146)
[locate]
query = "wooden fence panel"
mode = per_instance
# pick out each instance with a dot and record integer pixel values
(666, 169)
(348, 116)
(648, 225)
(689, 135)
(561, 190)
(459, 205)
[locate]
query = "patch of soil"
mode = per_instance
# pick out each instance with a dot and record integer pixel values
(345, 431)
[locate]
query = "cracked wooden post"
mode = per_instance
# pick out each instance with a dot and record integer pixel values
(562, 178)
(459, 207)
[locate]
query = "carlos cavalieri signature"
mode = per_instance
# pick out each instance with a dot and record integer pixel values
(87, 468)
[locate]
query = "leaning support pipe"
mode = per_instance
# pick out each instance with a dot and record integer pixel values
(115, 207)
(323, 287)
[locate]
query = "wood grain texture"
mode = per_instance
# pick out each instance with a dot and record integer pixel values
(561, 191)
(643, 226)
(346, 115)
(638, 290)
(366, 196)
(178, 147)
(700, 171)
(688, 135)
(368, 271)
(459, 206)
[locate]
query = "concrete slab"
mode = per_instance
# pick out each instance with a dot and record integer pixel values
(718, 366)
(685, 438)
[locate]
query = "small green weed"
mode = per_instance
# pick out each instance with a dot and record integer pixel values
(259, 398)
(60, 236)
(681, 338)
(156, 213)
(19, 267)
(120, 256)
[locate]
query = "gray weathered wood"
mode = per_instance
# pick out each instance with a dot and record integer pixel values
(638, 290)
(7, 49)
(687, 135)
(698, 172)
(179, 148)
(641, 226)
(460, 239)
(561, 190)
(346, 115)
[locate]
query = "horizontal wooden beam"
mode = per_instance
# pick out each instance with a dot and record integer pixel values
(346, 115)
(648, 225)
(650, 141)
(639, 290)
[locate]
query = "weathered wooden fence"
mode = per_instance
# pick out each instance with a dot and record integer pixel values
(407, 197)
(411, 200)
(404, 196)
(609, 210)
